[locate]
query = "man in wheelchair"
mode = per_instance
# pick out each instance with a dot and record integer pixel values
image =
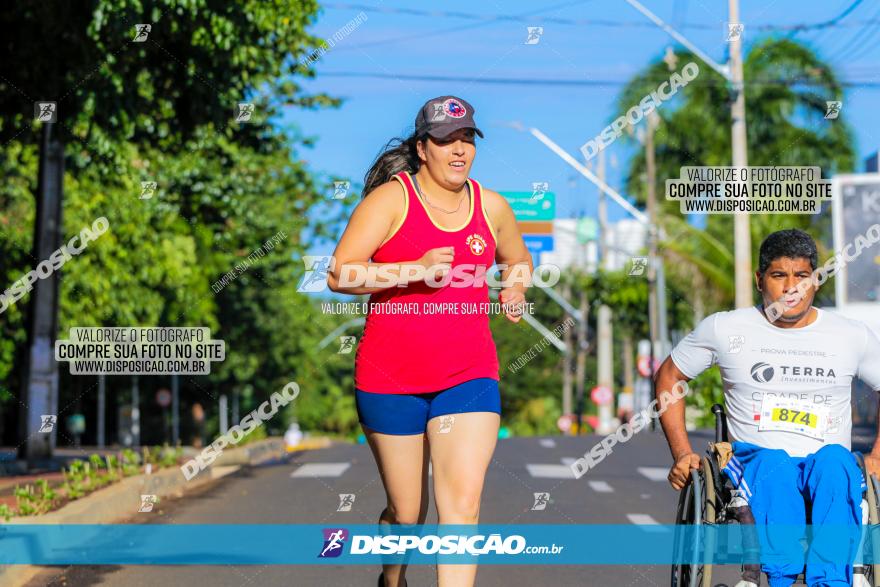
(787, 370)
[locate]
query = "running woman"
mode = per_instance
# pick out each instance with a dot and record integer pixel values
(788, 397)
(427, 381)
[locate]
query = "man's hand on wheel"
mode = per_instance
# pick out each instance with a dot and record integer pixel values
(872, 464)
(681, 470)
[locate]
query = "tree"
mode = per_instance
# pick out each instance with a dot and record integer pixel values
(787, 86)
(159, 109)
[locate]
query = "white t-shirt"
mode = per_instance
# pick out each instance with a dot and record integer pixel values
(803, 375)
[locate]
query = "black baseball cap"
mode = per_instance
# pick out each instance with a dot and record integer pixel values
(441, 116)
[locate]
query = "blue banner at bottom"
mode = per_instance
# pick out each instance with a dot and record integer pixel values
(533, 544)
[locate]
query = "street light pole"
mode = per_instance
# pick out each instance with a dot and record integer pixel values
(733, 73)
(742, 238)
(651, 205)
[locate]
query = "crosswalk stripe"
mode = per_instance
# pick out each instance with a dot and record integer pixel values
(547, 442)
(600, 486)
(646, 522)
(549, 471)
(321, 470)
(654, 473)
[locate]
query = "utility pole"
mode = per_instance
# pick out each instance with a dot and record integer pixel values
(742, 238)
(733, 73)
(567, 360)
(135, 412)
(102, 410)
(581, 359)
(627, 397)
(40, 380)
(605, 346)
(603, 215)
(175, 409)
(224, 424)
(605, 364)
(651, 182)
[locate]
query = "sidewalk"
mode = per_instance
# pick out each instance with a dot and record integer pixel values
(14, 472)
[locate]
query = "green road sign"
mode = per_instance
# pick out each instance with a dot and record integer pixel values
(531, 206)
(587, 229)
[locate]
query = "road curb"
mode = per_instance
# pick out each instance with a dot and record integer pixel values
(121, 500)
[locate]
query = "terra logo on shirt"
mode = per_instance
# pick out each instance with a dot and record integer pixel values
(764, 373)
(476, 243)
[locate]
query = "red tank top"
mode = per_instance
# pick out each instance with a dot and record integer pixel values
(426, 351)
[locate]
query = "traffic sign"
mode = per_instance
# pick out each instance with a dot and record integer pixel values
(587, 230)
(855, 211)
(643, 365)
(535, 227)
(601, 395)
(163, 398)
(531, 206)
(538, 243)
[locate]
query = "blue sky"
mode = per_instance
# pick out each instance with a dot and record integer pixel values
(474, 42)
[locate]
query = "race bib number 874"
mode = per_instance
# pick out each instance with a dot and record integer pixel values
(790, 415)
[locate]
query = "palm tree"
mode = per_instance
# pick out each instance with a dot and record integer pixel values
(787, 87)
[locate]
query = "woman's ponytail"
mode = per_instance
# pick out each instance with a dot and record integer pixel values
(398, 155)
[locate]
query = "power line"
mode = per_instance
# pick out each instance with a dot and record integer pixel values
(581, 82)
(859, 40)
(493, 18)
(833, 22)
(839, 17)
(455, 29)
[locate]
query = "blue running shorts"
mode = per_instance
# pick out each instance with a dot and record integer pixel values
(408, 413)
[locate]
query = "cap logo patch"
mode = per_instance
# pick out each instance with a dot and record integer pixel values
(454, 108)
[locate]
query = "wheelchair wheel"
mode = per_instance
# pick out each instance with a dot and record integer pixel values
(697, 505)
(872, 496)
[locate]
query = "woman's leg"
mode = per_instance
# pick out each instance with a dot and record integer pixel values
(460, 455)
(403, 465)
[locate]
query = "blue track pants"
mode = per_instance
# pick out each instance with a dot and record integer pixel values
(781, 489)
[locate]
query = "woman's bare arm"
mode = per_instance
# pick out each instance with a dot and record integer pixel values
(510, 250)
(370, 223)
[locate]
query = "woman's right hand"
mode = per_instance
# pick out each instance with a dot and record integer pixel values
(441, 261)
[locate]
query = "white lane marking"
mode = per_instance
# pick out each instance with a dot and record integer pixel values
(547, 442)
(567, 461)
(549, 471)
(600, 486)
(321, 470)
(654, 473)
(646, 522)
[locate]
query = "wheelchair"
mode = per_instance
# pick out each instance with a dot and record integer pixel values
(708, 499)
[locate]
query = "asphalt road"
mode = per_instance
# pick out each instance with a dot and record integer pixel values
(627, 487)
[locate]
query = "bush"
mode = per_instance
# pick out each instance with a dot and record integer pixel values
(538, 416)
(131, 464)
(75, 475)
(33, 500)
(706, 390)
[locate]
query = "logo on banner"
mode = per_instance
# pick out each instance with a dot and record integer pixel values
(334, 540)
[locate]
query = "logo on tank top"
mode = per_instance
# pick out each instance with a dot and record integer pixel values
(454, 108)
(476, 244)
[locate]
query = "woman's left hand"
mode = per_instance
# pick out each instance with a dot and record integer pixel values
(513, 299)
